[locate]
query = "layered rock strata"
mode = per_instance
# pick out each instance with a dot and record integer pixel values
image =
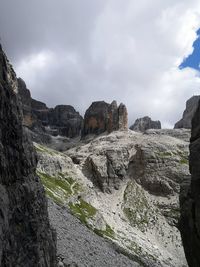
(26, 236)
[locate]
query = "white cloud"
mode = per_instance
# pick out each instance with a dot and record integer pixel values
(29, 67)
(111, 49)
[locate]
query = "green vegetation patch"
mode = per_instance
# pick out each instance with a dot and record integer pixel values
(184, 161)
(83, 210)
(59, 188)
(44, 149)
(108, 232)
(165, 154)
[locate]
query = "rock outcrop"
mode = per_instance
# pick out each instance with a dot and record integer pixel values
(66, 120)
(190, 199)
(102, 117)
(26, 103)
(191, 106)
(145, 123)
(26, 236)
(124, 186)
(62, 120)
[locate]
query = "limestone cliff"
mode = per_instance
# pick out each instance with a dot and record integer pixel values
(191, 106)
(62, 120)
(145, 123)
(26, 236)
(103, 117)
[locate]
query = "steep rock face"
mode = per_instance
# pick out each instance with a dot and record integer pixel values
(25, 96)
(159, 166)
(190, 201)
(62, 120)
(191, 106)
(26, 236)
(103, 117)
(66, 120)
(145, 123)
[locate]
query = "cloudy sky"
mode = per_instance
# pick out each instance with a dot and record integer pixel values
(78, 51)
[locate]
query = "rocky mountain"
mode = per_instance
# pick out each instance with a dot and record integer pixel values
(103, 117)
(26, 236)
(189, 199)
(113, 196)
(123, 186)
(145, 123)
(191, 106)
(62, 120)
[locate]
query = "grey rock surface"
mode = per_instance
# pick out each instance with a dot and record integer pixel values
(137, 177)
(191, 106)
(145, 123)
(183, 134)
(82, 247)
(26, 238)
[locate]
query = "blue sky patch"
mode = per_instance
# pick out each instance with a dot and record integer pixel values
(193, 60)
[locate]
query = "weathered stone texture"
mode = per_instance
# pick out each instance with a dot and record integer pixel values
(145, 123)
(102, 117)
(26, 236)
(190, 199)
(191, 106)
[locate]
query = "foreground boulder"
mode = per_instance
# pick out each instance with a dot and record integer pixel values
(191, 106)
(102, 117)
(145, 123)
(26, 236)
(190, 199)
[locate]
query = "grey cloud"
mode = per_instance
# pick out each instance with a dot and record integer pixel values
(104, 50)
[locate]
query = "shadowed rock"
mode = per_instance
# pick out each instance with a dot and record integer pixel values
(62, 120)
(26, 236)
(191, 106)
(190, 199)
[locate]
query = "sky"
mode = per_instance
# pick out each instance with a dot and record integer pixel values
(142, 53)
(193, 60)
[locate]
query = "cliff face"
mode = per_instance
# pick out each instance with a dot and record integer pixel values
(62, 120)
(145, 123)
(103, 117)
(191, 106)
(26, 236)
(190, 199)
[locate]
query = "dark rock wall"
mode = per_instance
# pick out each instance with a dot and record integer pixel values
(66, 119)
(191, 106)
(190, 199)
(62, 120)
(26, 238)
